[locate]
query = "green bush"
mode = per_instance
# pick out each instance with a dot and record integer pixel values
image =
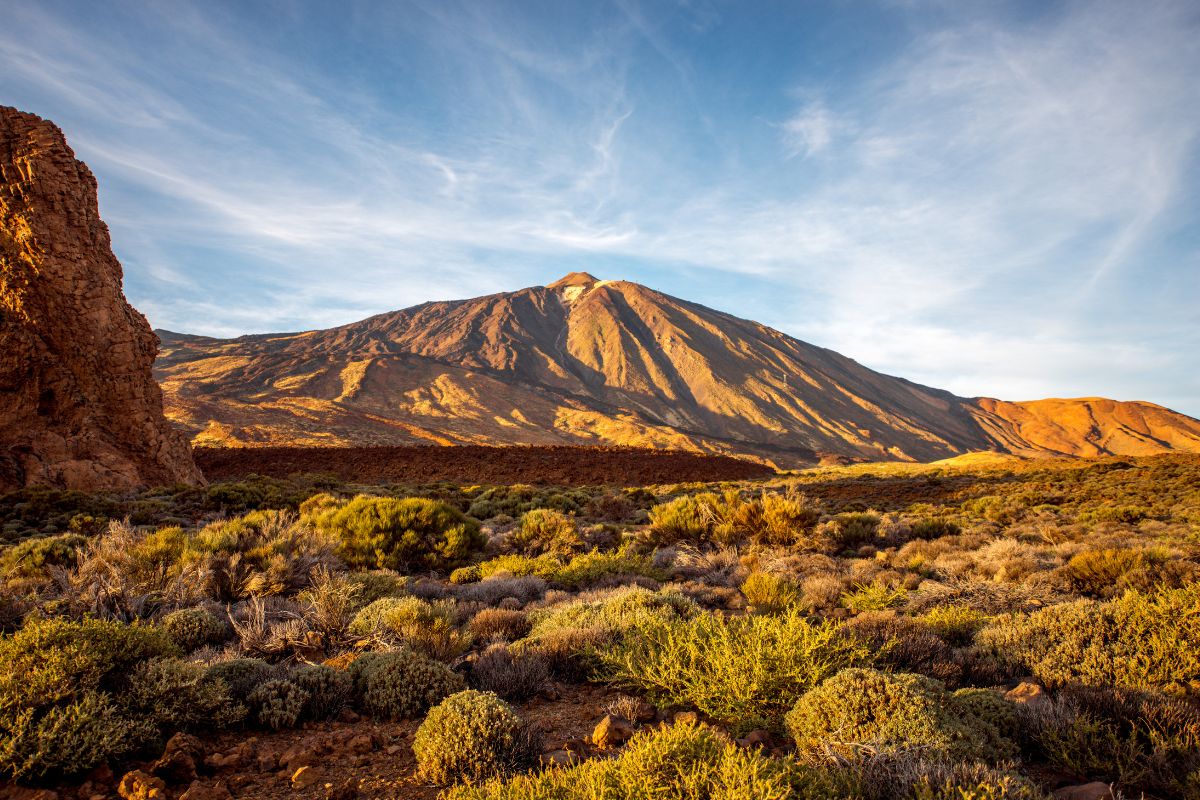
(32, 556)
(401, 684)
(872, 597)
(745, 671)
(426, 627)
(176, 695)
(847, 531)
(770, 593)
(328, 690)
(545, 530)
(690, 517)
(866, 707)
(956, 624)
(191, 628)
(1140, 640)
(681, 761)
(412, 533)
(66, 739)
(933, 529)
(619, 611)
(242, 675)
(278, 704)
(472, 736)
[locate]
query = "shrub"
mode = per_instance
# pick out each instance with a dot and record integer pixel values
(499, 624)
(242, 675)
(744, 671)
(586, 569)
(873, 597)
(172, 695)
(54, 660)
(376, 584)
(278, 704)
(67, 739)
(933, 529)
(32, 556)
(401, 684)
(770, 593)
(687, 518)
(471, 736)
(544, 530)
(426, 627)
(957, 625)
(864, 706)
(613, 613)
(681, 761)
(192, 628)
(328, 690)
(412, 533)
(903, 643)
(847, 531)
(514, 675)
(1098, 572)
(1139, 640)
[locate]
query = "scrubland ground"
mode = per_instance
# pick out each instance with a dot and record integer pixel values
(987, 630)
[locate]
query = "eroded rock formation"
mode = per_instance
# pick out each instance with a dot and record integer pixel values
(79, 407)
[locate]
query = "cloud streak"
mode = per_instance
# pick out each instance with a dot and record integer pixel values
(997, 204)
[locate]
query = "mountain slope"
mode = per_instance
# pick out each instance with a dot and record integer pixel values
(584, 361)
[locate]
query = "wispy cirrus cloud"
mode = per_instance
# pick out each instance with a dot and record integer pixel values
(994, 203)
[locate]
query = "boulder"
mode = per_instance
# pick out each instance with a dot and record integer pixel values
(137, 785)
(611, 732)
(79, 407)
(1086, 791)
(1029, 694)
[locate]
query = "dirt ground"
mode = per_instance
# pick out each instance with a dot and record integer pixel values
(355, 759)
(558, 466)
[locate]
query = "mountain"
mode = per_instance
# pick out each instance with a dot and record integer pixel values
(79, 407)
(586, 361)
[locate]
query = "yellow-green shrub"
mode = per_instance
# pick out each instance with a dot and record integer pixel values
(681, 761)
(1148, 640)
(544, 530)
(746, 671)
(195, 627)
(472, 736)
(864, 706)
(411, 533)
(427, 627)
(770, 593)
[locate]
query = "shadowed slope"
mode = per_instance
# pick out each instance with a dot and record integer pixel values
(584, 361)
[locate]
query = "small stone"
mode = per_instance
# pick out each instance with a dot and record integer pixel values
(644, 712)
(393, 749)
(756, 738)
(611, 732)
(557, 757)
(346, 790)
(202, 791)
(348, 715)
(361, 744)
(137, 785)
(1086, 791)
(304, 777)
(687, 717)
(1029, 694)
(266, 762)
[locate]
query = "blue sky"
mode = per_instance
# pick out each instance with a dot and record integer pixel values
(994, 198)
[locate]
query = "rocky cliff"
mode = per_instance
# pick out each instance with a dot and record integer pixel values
(79, 407)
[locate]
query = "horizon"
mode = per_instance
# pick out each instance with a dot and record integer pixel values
(994, 200)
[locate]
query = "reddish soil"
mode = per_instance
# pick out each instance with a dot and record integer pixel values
(556, 466)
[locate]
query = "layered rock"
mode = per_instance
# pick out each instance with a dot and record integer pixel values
(79, 407)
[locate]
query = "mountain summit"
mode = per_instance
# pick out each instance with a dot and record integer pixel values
(589, 361)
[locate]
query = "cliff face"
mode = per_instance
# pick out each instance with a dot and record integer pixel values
(584, 361)
(79, 407)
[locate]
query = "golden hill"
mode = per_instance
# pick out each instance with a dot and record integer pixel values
(584, 361)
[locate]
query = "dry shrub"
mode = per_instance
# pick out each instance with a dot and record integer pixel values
(497, 624)
(514, 675)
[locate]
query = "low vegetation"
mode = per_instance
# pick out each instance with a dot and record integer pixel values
(837, 633)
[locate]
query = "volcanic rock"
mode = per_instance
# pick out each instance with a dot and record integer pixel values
(79, 407)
